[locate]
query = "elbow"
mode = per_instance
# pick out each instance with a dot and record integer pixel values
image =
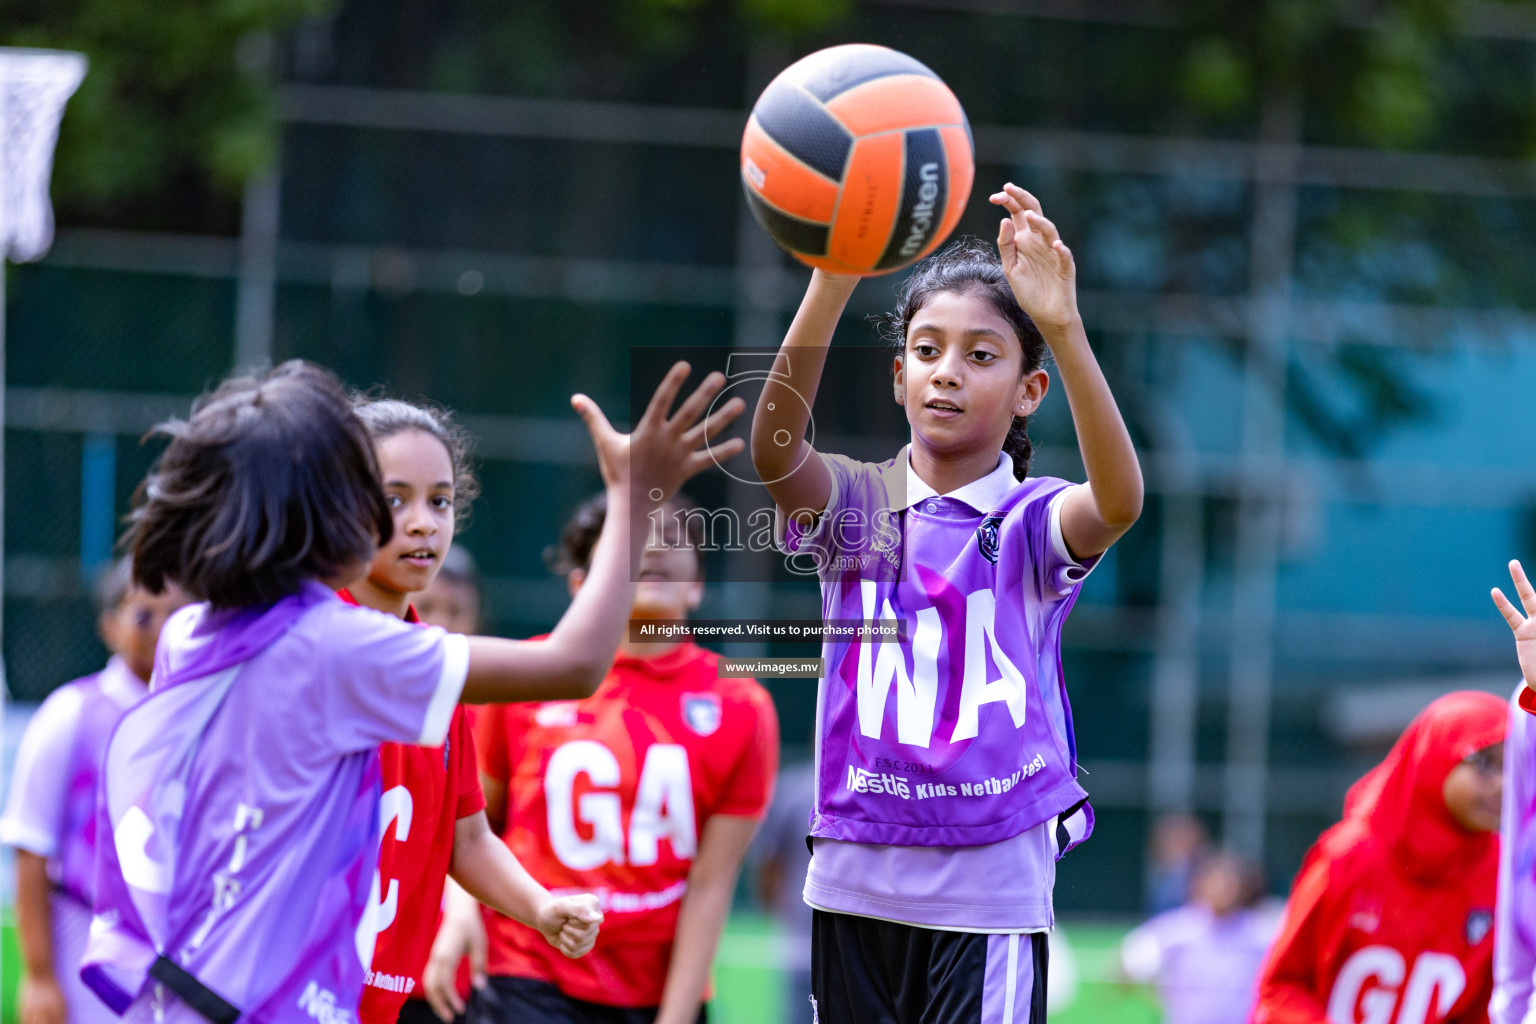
(768, 459)
(581, 679)
(1123, 516)
(1121, 507)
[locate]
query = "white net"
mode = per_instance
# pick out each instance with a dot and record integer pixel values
(34, 86)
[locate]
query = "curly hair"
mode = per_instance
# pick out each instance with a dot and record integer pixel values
(385, 417)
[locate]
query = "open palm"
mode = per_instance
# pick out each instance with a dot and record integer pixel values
(665, 448)
(1036, 261)
(1524, 626)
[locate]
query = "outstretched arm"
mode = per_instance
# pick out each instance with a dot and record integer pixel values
(641, 469)
(1043, 276)
(789, 467)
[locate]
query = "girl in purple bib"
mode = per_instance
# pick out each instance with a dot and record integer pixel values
(239, 807)
(946, 766)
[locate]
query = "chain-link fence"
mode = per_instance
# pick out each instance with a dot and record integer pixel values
(1324, 354)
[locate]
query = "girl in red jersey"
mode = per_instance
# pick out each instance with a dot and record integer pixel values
(646, 793)
(432, 810)
(1391, 916)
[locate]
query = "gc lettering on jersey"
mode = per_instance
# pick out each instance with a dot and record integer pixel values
(397, 807)
(588, 832)
(883, 665)
(1370, 986)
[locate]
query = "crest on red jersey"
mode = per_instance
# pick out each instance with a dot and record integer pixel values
(1367, 919)
(1479, 924)
(701, 712)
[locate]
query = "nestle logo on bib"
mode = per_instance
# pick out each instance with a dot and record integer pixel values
(861, 781)
(320, 1003)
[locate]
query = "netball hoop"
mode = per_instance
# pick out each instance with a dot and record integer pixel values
(34, 86)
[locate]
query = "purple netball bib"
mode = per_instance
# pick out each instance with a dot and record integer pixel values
(962, 734)
(239, 813)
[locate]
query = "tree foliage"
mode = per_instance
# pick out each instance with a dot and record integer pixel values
(180, 96)
(1380, 70)
(177, 92)
(178, 109)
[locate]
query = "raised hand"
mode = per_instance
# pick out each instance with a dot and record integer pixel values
(570, 923)
(1524, 626)
(664, 449)
(1036, 261)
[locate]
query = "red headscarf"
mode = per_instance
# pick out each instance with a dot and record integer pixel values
(1402, 800)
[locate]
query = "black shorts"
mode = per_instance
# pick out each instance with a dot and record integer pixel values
(419, 1011)
(865, 971)
(527, 1001)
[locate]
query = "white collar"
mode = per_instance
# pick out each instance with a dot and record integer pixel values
(983, 494)
(118, 682)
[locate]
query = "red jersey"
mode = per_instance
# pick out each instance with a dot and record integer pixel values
(426, 790)
(610, 794)
(1391, 917)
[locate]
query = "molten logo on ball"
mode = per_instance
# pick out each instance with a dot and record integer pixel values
(922, 213)
(857, 160)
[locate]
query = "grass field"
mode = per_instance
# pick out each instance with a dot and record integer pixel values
(10, 966)
(747, 982)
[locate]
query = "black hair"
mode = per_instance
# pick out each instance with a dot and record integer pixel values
(112, 584)
(271, 483)
(385, 417)
(579, 535)
(966, 265)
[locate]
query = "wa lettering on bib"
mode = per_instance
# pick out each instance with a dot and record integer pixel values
(962, 734)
